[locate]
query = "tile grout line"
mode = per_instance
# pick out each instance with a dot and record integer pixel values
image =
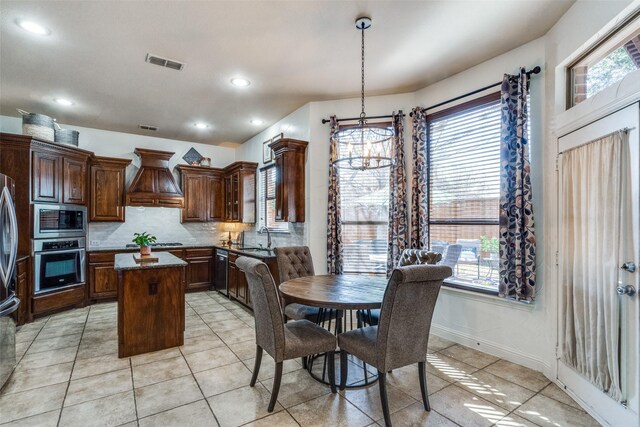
(133, 391)
(199, 387)
(72, 367)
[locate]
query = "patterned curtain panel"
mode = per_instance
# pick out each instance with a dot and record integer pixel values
(419, 183)
(398, 233)
(517, 239)
(335, 259)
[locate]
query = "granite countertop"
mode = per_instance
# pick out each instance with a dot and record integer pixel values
(154, 249)
(249, 251)
(165, 259)
(255, 252)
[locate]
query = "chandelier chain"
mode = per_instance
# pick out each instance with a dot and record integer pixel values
(362, 114)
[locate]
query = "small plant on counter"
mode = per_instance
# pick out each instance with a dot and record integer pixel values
(144, 240)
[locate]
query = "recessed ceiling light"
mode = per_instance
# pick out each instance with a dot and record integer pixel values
(64, 102)
(200, 125)
(33, 27)
(256, 122)
(240, 82)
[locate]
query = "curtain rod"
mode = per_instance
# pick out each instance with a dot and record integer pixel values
(388, 116)
(535, 70)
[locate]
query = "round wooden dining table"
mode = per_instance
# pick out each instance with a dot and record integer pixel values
(337, 292)
(338, 297)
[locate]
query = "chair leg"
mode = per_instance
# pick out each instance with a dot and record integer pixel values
(276, 387)
(382, 381)
(304, 362)
(343, 369)
(423, 386)
(332, 370)
(256, 366)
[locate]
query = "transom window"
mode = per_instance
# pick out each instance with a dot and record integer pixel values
(464, 189)
(606, 64)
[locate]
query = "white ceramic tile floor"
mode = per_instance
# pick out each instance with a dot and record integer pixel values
(70, 375)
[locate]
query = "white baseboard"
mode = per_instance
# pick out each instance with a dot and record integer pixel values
(498, 350)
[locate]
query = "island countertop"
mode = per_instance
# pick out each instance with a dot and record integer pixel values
(125, 261)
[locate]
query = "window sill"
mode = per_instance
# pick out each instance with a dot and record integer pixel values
(484, 295)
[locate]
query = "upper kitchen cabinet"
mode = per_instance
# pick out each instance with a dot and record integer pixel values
(58, 174)
(240, 192)
(203, 190)
(289, 157)
(107, 195)
(154, 184)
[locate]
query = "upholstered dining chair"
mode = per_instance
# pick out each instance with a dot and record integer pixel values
(408, 257)
(282, 341)
(401, 337)
(418, 256)
(294, 262)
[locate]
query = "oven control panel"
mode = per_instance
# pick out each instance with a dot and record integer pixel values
(66, 244)
(48, 245)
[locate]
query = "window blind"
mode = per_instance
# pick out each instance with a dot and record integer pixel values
(267, 204)
(364, 210)
(464, 188)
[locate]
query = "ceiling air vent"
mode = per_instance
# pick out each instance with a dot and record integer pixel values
(148, 127)
(164, 62)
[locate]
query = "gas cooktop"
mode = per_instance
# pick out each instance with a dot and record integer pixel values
(155, 245)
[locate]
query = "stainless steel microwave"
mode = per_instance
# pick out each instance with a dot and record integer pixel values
(54, 221)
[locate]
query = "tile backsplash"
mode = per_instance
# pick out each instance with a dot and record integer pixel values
(164, 223)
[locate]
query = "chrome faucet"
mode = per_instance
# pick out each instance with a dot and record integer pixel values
(263, 230)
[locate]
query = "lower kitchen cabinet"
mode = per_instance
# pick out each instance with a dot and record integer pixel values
(237, 286)
(103, 280)
(199, 269)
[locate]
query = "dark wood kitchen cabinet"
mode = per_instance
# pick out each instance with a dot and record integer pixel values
(199, 269)
(289, 157)
(237, 286)
(240, 192)
(45, 177)
(43, 172)
(58, 175)
(22, 290)
(203, 190)
(74, 181)
(103, 280)
(236, 281)
(106, 182)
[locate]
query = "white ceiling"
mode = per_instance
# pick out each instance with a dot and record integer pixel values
(292, 51)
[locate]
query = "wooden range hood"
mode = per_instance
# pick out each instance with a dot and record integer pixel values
(154, 184)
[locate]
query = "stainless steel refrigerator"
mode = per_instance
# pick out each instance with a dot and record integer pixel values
(9, 302)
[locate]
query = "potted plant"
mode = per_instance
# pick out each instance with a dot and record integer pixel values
(144, 240)
(489, 246)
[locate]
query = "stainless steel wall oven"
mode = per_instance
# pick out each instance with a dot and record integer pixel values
(58, 263)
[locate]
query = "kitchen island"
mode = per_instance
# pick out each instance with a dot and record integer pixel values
(150, 303)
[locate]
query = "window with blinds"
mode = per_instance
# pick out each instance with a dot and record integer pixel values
(364, 210)
(267, 205)
(464, 189)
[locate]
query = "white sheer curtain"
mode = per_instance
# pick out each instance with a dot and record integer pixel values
(595, 213)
